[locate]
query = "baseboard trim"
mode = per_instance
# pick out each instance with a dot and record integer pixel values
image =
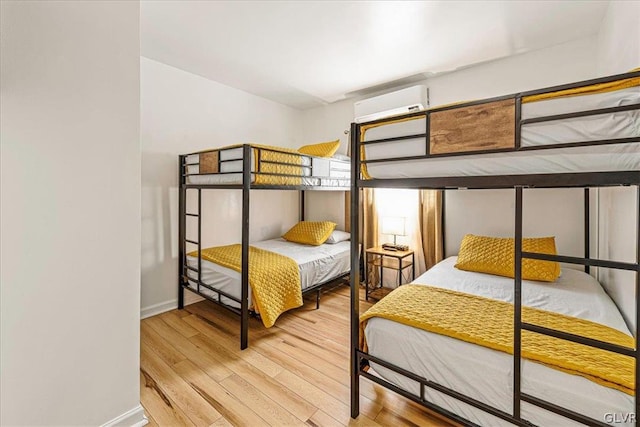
(132, 418)
(152, 310)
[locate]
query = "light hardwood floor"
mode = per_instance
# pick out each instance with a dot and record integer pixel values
(295, 373)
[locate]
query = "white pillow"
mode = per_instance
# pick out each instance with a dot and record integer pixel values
(338, 236)
(341, 157)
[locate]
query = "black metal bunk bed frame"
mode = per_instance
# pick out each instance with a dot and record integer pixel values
(360, 359)
(246, 187)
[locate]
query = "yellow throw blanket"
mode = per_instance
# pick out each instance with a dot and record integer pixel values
(263, 155)
(489, 323)
(274, 278)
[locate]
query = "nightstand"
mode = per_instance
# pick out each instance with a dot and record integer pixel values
(394, 260)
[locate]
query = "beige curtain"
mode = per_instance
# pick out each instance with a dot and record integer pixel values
(368, 224)
(347, 211)
(431, 226)
(369, 229)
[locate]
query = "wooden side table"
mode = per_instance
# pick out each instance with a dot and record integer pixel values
(395, 260)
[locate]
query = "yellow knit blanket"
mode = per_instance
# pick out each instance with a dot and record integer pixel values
(264, 155)
(268, 159)
(489, 323)
(274, 278)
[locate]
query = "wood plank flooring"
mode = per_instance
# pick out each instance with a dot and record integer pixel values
(296, 373)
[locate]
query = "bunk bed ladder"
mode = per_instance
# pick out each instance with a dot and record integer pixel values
(520, 325)
(181, 230)
(183, 266)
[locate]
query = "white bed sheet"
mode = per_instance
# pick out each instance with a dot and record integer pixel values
(317, 264)
(575, 159)
(487, 374)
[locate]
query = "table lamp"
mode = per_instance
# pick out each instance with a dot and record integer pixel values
(394, 225)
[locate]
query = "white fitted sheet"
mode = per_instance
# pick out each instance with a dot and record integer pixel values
(576, 159)
(487, 374)
(317, 264)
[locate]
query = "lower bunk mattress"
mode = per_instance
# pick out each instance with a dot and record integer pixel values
(486, 374)
(317, 264)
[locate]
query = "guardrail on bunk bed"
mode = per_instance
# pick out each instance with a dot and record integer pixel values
(518, 182)
(212, 162)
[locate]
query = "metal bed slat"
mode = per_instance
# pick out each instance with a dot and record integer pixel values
(590, 262)
(576, 114)
(579, 339)
(562, 411)
(440, 388)
(565, 180)
(606, 79)
(212, 289)
(209, 298)
(396, 138)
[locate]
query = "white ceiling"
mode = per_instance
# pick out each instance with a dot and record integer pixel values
(309, 53)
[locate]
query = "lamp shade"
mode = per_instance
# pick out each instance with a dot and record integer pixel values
(395, 225)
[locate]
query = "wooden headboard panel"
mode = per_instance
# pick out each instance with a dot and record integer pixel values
(456, 130)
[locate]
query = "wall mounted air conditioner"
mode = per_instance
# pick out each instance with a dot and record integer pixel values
(411, 99)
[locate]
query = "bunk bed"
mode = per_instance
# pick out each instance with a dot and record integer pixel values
(585, 135)
(250, 167)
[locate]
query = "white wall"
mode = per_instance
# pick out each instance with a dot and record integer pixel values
(328, 123)
(70, 215)
(619, 52)
(182, 113)
(619, 38)
(546, 212)
(556, 65)
(617, 242)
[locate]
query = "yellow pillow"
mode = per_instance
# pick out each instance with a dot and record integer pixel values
(496, 255)
(310, 232)
(323, 149)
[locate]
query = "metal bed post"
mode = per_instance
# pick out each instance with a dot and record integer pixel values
(246, 189)
(637, 349)
(517, 308)
(355, 270)
(587, 231)
(301, 205)
(199, 237)
(182, 218)
(443, 223)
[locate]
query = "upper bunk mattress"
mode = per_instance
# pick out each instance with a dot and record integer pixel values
(302, 169)
(317, 264)
(487, 374)
(600, 158)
